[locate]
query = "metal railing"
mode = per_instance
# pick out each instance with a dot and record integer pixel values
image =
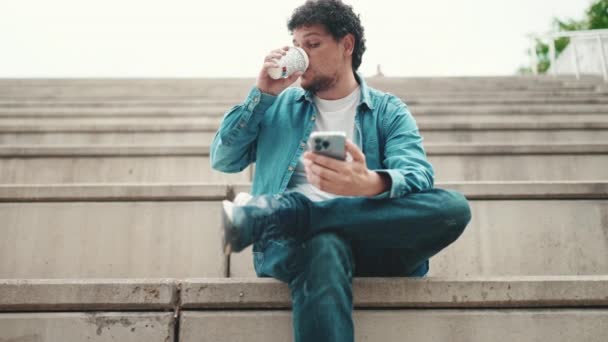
(597, 34)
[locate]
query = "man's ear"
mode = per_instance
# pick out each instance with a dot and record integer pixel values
(349, 44)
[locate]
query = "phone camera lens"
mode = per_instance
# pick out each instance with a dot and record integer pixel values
(318, 147)
(326, 144)
(317, 140)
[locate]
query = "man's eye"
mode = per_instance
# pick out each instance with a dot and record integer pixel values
(313, 45)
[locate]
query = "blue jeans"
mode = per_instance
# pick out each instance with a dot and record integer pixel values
(357, 236)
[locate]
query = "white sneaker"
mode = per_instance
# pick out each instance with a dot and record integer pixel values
(228, 229)
(242, 198)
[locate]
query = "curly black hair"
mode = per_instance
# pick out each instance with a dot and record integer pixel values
(338, 18)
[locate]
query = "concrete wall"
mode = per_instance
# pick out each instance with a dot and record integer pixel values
(587, 54)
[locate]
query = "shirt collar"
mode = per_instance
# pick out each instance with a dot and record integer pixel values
(365, 93)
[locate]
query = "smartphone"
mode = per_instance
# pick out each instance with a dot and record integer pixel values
(328, 143)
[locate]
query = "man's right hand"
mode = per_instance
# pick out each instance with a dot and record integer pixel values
(267, 84)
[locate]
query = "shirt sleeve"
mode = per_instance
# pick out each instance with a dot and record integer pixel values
(404, 157)
(234, 146)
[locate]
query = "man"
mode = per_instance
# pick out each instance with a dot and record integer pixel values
(315, 222)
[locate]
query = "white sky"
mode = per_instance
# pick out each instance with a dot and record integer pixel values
(198, 38)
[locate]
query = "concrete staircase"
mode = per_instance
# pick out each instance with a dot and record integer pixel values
(109, 215)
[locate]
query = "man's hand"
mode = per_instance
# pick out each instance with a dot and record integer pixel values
(267, 84)
(343, 177)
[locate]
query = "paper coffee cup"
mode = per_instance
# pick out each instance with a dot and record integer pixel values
(294, 60)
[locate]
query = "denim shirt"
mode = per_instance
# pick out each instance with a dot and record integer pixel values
(272, 132)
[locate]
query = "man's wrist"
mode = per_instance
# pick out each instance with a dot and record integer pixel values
(380, 182)
(266, 91)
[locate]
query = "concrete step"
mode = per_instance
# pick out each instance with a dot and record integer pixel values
(87, 326)
(183, 101)
(471, 119)
(174, 134)
(230, 88)
(500, 98)
(122, 121)
(141, 133)
(522, 80)
(171, 86)
(523, 162)
(31, 164)
(135, 136)
(508, 236)
(220, 110)
(123, 89)
(537, 79)
(422, 310)
(115, 231)
(455, 118)
(410, 97)
(403, 292)
(510, 109)
(110, 164)
(119, 112)
(526, 325)
(427, 95)
(526, 136)
(527, 79)
(158, 231)
(31, 295)
(87, 310)
(386, 309)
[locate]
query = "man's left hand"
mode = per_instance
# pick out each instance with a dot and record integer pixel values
(344, 177)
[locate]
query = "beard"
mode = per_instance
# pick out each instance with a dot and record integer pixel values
(320, 83)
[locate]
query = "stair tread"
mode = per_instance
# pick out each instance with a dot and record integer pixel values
(209, 191)
(530, 291)
(263, 293)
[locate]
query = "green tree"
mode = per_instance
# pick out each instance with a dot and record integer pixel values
(596, 17)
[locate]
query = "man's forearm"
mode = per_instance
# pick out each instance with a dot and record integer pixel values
(231, 148)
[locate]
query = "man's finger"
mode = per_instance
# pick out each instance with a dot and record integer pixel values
(313, 179)
(271, 64)
(320, 183)
(324, 173)
(354, 151)
(328, 162)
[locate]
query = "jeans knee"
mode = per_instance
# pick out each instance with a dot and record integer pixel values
(456, 211)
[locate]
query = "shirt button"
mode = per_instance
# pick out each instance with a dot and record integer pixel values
(313, 118)
(256, 99)
(302, 144)
(290, 168)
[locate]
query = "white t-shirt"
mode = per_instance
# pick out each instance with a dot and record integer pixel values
(333, 115)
